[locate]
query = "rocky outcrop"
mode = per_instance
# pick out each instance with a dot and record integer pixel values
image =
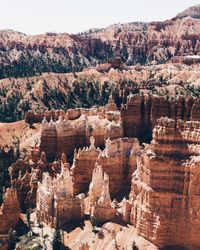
(25, 175)
(9, 211)
(161, 177)
(141, 112)
(117, 63)
(71, 114)
(164, 195)
(55, 201)
(119, 152)
(78, 92)
(118, 160)
(83, 165)
(136, 116)
(193, 12)
(101, 207)
(65, 135)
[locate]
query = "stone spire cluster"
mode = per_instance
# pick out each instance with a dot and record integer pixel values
(86, 166)
(9, 211)
(55, 198)
(101, 207)
(64, 134)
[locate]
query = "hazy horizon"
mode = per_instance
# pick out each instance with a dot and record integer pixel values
(40, 16)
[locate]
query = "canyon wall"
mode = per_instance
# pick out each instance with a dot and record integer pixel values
(55, 201)
(136, 42)
(141, 112)
(65, 135)
(164, 198)
(100, 205)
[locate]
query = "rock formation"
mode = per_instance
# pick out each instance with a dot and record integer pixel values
(65, 135)
(83, 165)
(101, 207)
(9, 211)
(193, 12)
(118, 160)
(91, 156)
(120, 152)
(141, 112)
(155, 42)
(25, 176)
(55, 200)
(91, 88)
(116, 63)
(164, 195)
(161, 177)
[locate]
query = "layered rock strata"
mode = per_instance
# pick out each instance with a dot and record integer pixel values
(118, 160)
(55, 201)
(119, 153)
(26, 174)
(136, 42)
(71, 114)
(101, 207)
(83, 165)
(65, 135)
(9, 211)
(164, 197)
(141, 112)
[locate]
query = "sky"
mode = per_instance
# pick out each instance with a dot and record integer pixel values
(73, 16)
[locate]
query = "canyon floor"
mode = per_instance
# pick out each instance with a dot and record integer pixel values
(80, 235)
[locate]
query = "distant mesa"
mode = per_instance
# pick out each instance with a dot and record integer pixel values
(193, 12)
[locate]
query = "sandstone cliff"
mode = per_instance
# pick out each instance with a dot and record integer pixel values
(164, 198)
(9, 211)
(157, 42)
(141, 112)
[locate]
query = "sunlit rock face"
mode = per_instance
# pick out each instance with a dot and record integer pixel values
(164, 194)
(83, 165)
(26, 174)
(135, 42)
(9, 211)
(64, 135)
(193, 12)
(109, 176)
(101, 207)
(118, 160)
(141, 112)
(61, 195)
(55, 200)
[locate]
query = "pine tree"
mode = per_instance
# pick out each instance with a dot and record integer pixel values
(57, 238)
(28, 218)
(134, 246)
(12, 238)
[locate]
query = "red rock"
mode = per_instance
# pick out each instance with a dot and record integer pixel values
(9, 211)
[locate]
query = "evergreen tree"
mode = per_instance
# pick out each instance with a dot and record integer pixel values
(134, 246)
(28, 218)
(57, 238)
(12, 239)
